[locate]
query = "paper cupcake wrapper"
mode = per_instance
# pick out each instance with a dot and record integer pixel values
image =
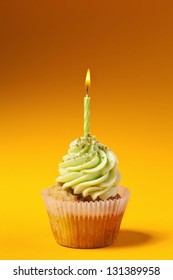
(86, 224)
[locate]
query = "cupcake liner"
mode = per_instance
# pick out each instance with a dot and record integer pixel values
(79, 224)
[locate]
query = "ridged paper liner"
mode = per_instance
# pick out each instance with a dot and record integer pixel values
(86, 224)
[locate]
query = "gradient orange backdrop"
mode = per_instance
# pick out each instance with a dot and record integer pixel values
(45, 50)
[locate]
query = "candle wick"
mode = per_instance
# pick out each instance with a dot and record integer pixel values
(87, 88)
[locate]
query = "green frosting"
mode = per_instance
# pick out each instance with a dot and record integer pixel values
(89, 168)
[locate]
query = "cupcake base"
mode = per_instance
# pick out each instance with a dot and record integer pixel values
(86, 224)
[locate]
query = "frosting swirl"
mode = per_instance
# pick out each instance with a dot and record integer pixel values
(89, 169)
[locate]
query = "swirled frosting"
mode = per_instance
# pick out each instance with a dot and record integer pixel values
(89, 169)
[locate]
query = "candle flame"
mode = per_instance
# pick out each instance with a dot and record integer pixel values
(87, 80)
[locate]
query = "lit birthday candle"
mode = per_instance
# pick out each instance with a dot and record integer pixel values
(87, 106)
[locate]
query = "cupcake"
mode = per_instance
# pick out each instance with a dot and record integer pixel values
(86, 205)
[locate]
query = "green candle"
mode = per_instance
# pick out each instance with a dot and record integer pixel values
(87, 106)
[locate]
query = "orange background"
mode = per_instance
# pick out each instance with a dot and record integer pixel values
(45, 50)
